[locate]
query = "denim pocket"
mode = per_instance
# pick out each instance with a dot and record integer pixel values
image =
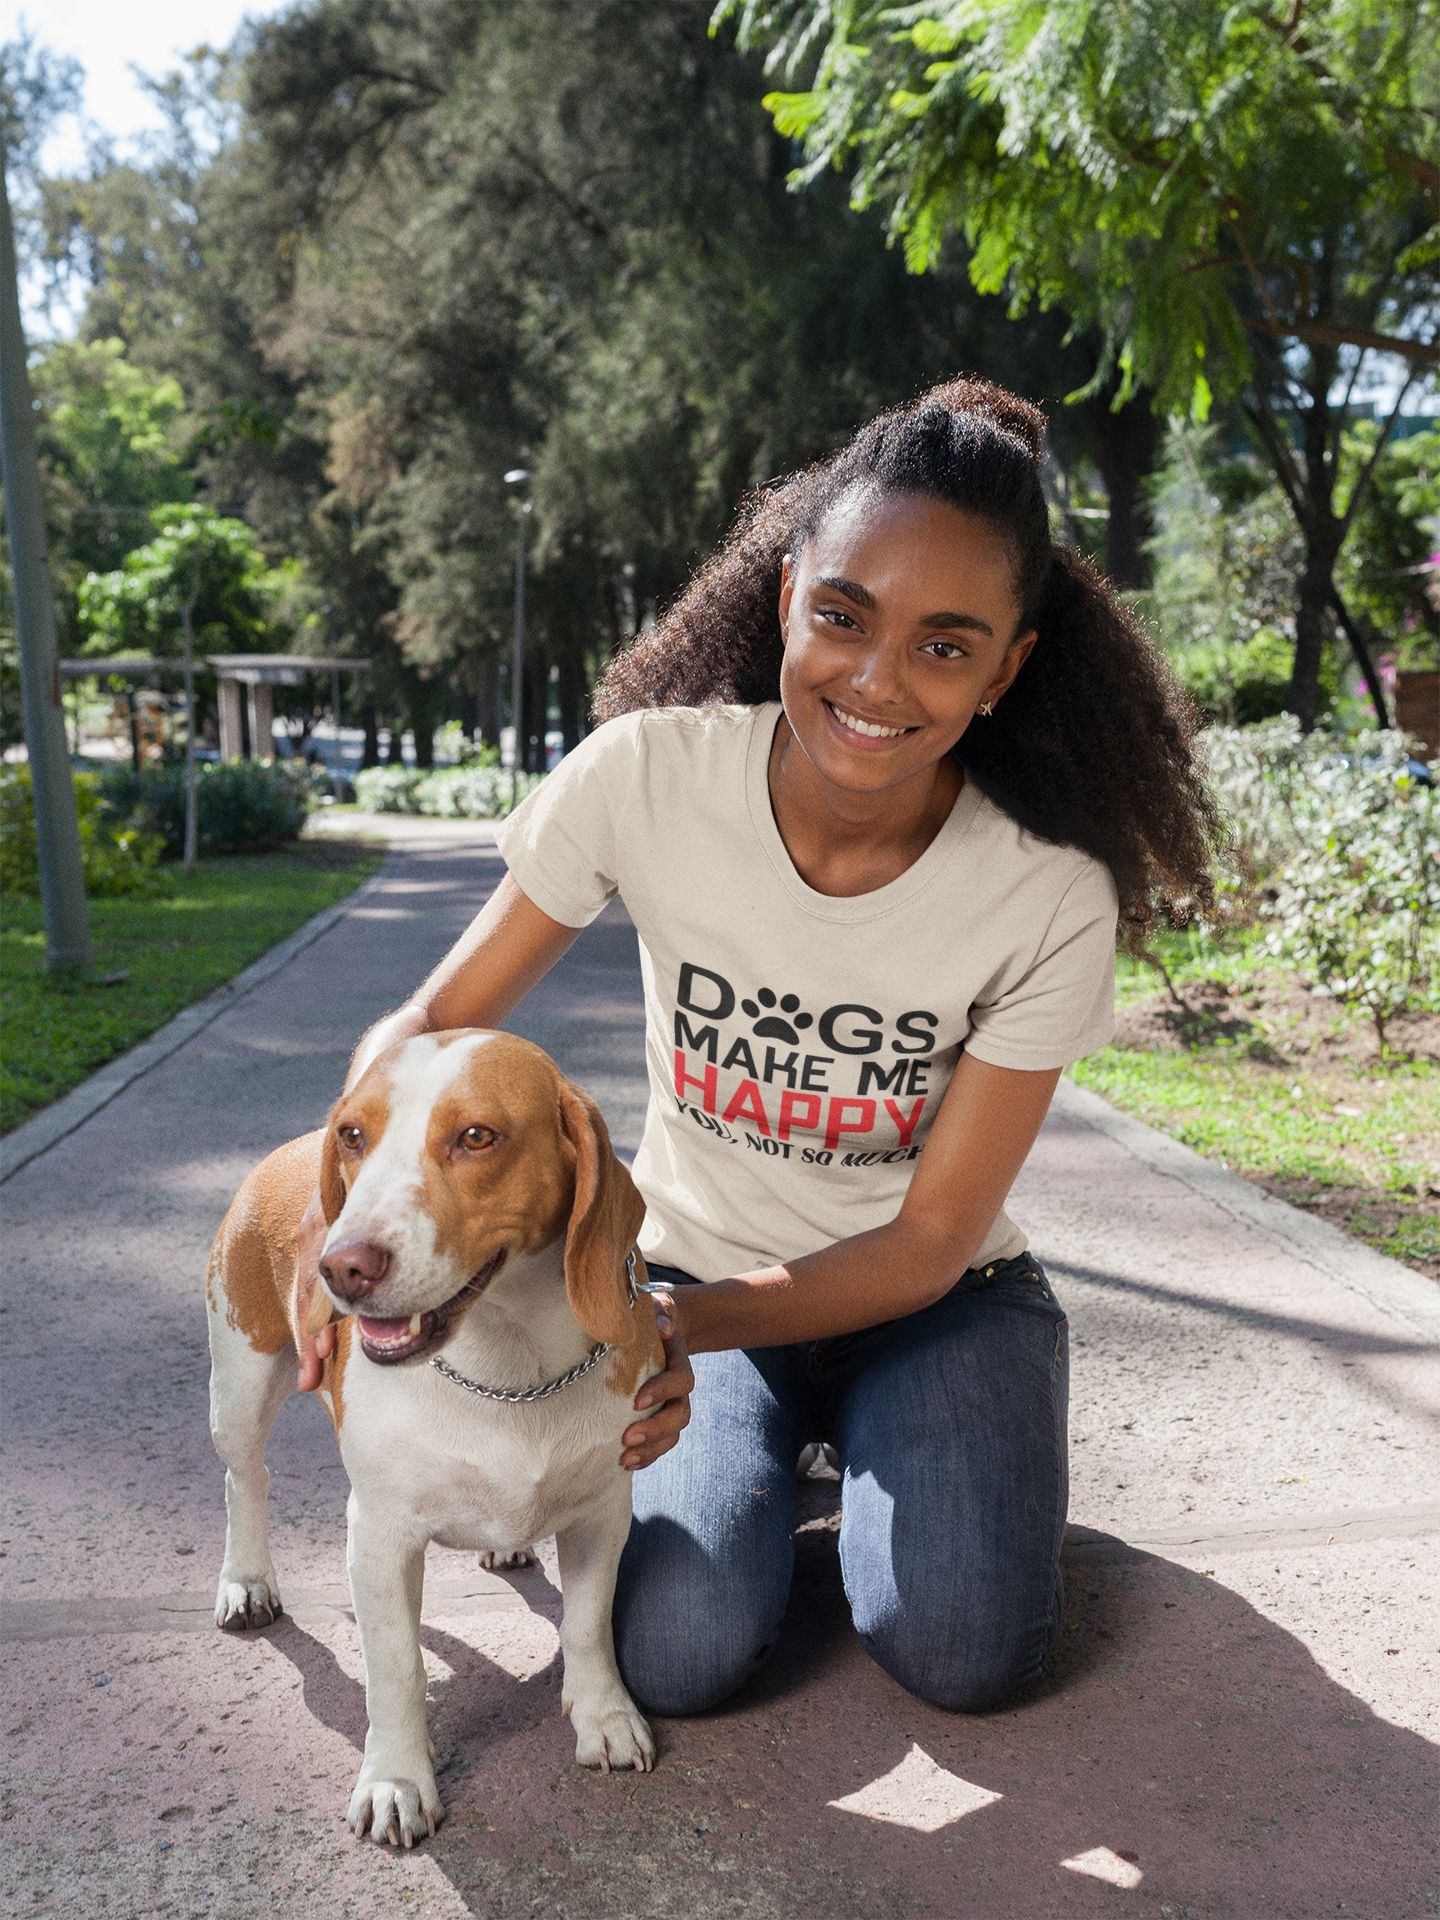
(1021, 1282)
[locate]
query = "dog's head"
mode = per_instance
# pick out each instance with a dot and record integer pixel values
(452, 1153)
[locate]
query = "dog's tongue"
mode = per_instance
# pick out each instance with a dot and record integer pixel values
(390, 1333)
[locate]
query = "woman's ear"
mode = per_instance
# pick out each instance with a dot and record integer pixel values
(787, 588)
(1016, 654)
(605, 1217)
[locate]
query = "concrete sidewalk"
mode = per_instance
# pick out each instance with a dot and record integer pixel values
(1241, 1720)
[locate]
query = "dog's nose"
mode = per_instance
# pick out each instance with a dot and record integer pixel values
(355, 1268)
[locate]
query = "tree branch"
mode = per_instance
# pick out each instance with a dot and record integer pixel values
(1319, 333)
(1367, 473)
(1362, 656)
(1281, 458)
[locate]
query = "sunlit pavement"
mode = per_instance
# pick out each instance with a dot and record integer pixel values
(1240, 1720)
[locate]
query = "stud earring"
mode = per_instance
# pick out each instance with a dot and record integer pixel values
(986, 708)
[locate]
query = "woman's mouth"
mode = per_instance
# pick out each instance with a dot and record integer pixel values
(859, 728)
(387, 1342)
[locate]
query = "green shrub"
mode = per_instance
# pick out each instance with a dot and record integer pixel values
(244, 806)
(1339, 847)
(474, 792)
(118, 855)
(387, 789)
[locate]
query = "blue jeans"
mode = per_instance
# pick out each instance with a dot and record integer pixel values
(950, 1427)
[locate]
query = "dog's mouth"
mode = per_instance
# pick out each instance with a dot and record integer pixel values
(387, 1342)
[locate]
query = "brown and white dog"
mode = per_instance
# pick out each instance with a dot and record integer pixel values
(474, 1205)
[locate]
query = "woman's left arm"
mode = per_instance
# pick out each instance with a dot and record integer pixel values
(986, 1125)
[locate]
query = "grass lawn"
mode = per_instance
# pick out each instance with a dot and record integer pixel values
(1284, 1088)
(172, 950)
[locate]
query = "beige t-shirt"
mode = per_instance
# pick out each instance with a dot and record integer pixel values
(798, 1045)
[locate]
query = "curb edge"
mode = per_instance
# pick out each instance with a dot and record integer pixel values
(1396, 1290)
(52, 1124)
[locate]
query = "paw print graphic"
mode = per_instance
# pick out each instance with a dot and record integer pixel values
(772, 1027)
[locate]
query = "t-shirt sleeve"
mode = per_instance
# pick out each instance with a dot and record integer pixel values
(1063, 1004)
(561, 843)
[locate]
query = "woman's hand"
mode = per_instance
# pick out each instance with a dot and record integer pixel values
(665, 1397)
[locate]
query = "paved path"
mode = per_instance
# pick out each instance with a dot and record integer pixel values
(1241, 1720)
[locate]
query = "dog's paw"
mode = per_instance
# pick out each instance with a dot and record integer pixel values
(246, 1600)
(398, 1811)
(493, 1562)
(613, 1736)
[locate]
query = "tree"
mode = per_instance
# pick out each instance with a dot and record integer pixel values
(1243, 199)
(109, 452)
(138, 608)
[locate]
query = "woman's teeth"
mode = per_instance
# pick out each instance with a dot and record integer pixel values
(867, 727)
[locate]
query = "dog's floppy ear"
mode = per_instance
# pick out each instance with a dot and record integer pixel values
(332, 1185)
(604, 1221)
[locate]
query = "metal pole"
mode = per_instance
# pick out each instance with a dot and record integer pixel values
(192, 796)
(517, 667)
(52, 785)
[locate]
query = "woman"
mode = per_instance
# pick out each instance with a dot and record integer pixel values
(873, 792)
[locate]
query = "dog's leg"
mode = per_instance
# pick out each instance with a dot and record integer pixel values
(609, 1728)
(395, 1797)
(247, 1390)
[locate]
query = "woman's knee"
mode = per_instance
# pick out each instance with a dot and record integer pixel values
(966, 1663)
(691, 1627)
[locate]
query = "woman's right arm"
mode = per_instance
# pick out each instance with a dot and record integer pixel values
(508, 947)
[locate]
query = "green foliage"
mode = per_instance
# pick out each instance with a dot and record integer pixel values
(1161, 167)
(1386, 568)
(1224, 557)
(476, 792)
(1344, 848)
(138, 608)
(243, 806)
(1357, 911)
(119, 853)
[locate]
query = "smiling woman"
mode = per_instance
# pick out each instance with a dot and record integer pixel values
(873, 792)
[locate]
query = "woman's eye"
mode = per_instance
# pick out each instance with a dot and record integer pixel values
(945, 650)
(477, 1139)
(351, 1139)
(836, 618)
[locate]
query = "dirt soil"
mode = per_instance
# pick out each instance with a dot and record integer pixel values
(1273, 1022)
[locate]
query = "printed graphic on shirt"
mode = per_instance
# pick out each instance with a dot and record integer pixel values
(844, 1085)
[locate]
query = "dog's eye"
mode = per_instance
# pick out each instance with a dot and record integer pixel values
(351, 1139)
(478, 1138)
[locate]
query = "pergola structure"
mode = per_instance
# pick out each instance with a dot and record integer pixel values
(258, 673)
(135, 670)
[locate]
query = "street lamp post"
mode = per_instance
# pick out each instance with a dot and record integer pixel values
(517, 477)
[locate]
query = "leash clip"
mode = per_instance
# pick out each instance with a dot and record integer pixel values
(630, 1276)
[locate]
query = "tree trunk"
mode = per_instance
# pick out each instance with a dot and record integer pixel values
(1312, 631)
(572, 691)
(537, 699)
(422, 722)
(370, 720)
(1125, 444)
(487, 700)
(395, 745)
(1323, 538)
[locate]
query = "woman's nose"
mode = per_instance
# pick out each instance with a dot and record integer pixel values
(877, 675)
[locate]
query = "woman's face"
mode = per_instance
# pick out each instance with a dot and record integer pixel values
(899, 621)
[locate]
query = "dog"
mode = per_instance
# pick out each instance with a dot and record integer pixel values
(480, 1250)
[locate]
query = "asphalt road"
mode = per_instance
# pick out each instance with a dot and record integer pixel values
(1241, 1720)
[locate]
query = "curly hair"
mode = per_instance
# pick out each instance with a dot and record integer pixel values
(1094, 744)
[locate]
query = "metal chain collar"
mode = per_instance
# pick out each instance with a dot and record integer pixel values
(515, 1398)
